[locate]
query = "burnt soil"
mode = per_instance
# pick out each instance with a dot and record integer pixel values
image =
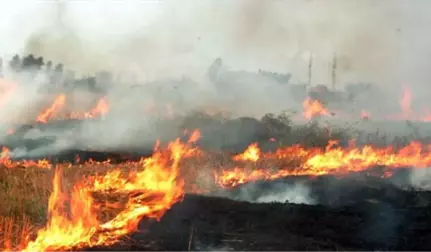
(363, 215)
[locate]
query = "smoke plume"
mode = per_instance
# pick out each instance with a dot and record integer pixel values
(158, 38)
(381, 42)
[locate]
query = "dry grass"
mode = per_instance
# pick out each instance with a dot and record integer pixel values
(24, 193)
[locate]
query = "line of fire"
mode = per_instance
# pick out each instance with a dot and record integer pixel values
(108, 162)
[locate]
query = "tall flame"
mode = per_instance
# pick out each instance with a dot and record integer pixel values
(101, 209)
(150, 192)
(50, 112)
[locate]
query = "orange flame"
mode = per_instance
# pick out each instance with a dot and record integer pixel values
(332, 160)
(151, 192)
(100, 109)
(6, 161)
(50, 112)
(74, 217)
(313, 108)
(407, 112)
(252, 153)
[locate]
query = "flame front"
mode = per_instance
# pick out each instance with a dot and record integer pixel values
(149, 192)
(6, 161)
(332, 160)
(101, 209)
(59, 103)
(50, 112)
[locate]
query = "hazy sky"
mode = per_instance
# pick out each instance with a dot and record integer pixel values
(388, 41)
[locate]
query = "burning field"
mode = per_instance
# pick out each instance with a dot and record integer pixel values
(81, 171)
(91, 174)
(290, 188)
(205, 181)
(218, 126)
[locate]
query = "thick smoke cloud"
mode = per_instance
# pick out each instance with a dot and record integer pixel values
(383, 42)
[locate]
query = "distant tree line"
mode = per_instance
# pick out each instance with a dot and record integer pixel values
(58, 77)
(30, 62)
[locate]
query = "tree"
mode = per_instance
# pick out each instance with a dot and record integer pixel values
(15, 63)
(59, 68)
(28, 62)
(48, 66)
(38, 63)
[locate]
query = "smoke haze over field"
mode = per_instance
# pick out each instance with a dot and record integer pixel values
(382, 41)
(385, 41)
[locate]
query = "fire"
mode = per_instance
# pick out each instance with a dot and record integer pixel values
(150, 192)
(332, 160)
(6, 161)
(313, 108)
(407, 112)
(13, 233)
(100, 109)
(59, 103)
(101, 209)
(252, 153)
(195, 136)
(50, 112)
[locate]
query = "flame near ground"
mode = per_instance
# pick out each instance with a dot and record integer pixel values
(154, 184)
(150, 192)
(77, 219)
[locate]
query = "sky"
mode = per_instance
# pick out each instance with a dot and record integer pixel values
(385, 41)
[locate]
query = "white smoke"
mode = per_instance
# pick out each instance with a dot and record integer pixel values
(157, 38)
(296, 193)
(421, 178)
(165, 40)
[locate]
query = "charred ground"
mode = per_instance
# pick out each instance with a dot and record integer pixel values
(360, 211)
(357, 211)
(390, 219)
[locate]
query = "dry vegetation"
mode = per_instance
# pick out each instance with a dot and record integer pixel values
(24, 192)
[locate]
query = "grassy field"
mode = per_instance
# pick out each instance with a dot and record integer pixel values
(24, 192)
